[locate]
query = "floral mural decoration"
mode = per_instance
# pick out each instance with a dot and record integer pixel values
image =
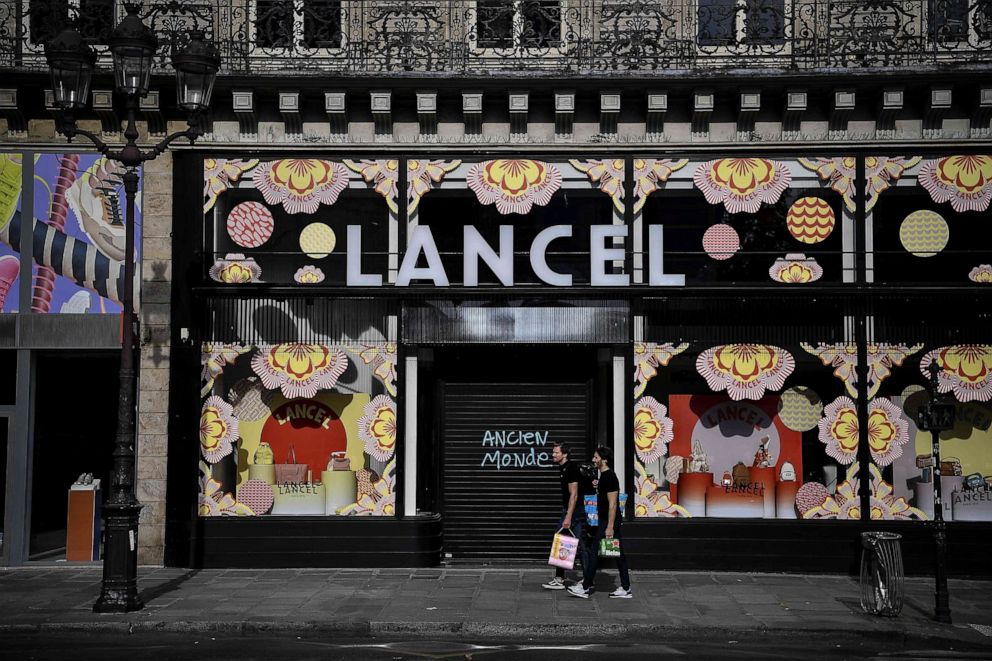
(609, 173)
(377, 427)
(882, 172)
(845, 503)
(964, 181)
(381, 501)
(383, 173)
(653, 429)
(236, 269)
(213, 501)
(514, 185)
(742, 184)
(648, 173)
(888, 431)
(810, 220)
(795, 268)
(218, 429)
(422, 175)
(309, 275)
(648, 357)
(882, 358)
(213, 359)
(382, 358)
(650, 501)
(965, 369)
(300, 185)
(299, 370)
(981, 273)
(219, 174)
(745, 371)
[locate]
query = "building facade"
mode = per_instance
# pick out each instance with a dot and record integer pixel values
(421, 242)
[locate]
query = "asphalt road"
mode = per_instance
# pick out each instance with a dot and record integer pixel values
(320, 647)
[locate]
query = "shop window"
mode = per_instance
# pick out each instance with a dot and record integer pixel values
(955, 21)
(11, 170)
(298, 23)
(518, 23)
(49, 17)
(741, 22)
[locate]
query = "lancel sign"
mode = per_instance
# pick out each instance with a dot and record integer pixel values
(499, 259)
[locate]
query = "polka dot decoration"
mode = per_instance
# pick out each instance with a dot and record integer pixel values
(250, 224)
(810, 495)
(810, 220)
(257, 496)
(317, 240)
(721, 241)
(800, 408)
(924, 233)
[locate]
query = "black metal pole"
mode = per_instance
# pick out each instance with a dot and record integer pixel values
(119, 591)
(942, 606)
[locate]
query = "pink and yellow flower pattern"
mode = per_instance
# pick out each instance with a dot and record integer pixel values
(422, 176)
(846, 503)
(299, 370)
(309, 275)
(236, 269)
(219, 174)
(965, 369)
(218, 429)
(213, 501)
(882, 358)
(213, 359)
(300, 185)
(745, 371)
(742, 184)
(609, 173)
(888, 431)
(381, 501)
(382, 358)
(795, 268)
(648, 357)
(882, 172)
(981, 274)
(964, 181)
(514, 185)
(653, 429)
(383, 174)
(650, 501)
(649, 173)
(377, 428)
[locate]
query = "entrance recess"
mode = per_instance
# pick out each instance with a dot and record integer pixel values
(501, 489)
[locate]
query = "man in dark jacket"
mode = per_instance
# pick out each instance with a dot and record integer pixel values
(573, 513)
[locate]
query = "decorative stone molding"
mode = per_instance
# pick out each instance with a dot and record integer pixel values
(336, 109)
(609, 113)
(103, 106)
(519, 112)
(655, 119)
(703, 102)
(843, 105)
(792, 116)
(427, 113)
(289, 108)
(941, 99)
(382, 114)
(564, 115)
(747, 110)
(17, 125)
(472, 114)
(982, 117)
(889, 107)
(151, 109)
(243, 105)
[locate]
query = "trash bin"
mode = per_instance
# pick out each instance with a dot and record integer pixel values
(881, 573)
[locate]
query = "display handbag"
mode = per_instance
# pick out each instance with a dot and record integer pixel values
(291, 472)
(609, 547)
(563, 549)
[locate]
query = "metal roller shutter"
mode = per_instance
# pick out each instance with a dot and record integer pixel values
(500, 502)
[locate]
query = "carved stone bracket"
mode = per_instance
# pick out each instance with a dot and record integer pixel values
(564, 115)
(941, 99)
(843, 106)
(243, 105)
(382, 114)
(103, 106)
(289, 108)
(427, 113)
(889, 107)
(17, 124)
(519, 112)
(609, 114)
(703, 102)
(747, 111)
(983, 115)
(655, 120)
(472, 113)
(151, 109)
(336, 108)
(792, 116)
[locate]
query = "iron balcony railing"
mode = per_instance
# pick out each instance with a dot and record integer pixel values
(480, 37)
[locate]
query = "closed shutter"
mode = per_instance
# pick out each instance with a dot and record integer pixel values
(500, 502)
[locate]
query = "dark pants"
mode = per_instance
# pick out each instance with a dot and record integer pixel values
(591, 559)
(578, 523)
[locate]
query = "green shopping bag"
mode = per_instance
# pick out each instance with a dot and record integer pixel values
(609, 548)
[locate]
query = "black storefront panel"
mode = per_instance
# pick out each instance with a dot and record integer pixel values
(501, 488)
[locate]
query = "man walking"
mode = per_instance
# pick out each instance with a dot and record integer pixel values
(573, 513)
(610, 525)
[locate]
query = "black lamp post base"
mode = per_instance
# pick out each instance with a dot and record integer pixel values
(118, 600)
(119, 592)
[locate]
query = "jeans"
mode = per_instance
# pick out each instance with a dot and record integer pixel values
(578, 523)
(591, 559)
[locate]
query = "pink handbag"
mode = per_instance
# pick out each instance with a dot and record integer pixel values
(563, 550)
(291, 472)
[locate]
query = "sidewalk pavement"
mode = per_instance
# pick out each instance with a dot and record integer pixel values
(487, 603)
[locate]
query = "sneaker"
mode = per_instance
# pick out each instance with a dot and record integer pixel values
(620, 593)
(578, 591)
(554, 584)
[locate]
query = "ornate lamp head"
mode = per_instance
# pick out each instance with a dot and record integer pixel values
(133, 46)
(70, 61)
(196, 67)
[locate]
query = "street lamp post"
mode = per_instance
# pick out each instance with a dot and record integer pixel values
(71, 62)
(935, 416)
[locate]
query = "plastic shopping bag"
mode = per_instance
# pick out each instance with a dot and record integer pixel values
(563, 550)
(609, 547)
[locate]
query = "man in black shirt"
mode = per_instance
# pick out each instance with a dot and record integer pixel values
(573, 513)
(610, 524)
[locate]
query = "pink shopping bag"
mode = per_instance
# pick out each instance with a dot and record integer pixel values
(563, 550)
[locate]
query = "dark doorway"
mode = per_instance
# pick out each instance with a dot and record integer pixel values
(500, 410)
